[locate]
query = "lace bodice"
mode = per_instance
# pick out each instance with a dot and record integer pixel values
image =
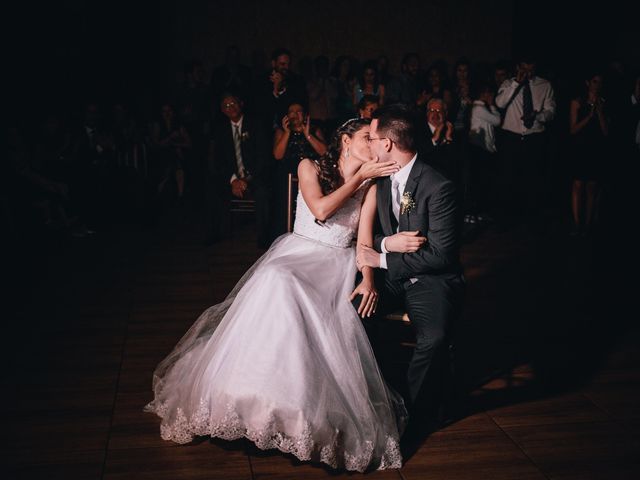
(339, 230)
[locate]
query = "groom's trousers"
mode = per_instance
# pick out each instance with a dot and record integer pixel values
(432, 303)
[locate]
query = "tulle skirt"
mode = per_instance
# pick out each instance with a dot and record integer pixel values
(285, 362)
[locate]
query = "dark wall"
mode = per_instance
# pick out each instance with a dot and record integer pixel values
(64, 52)
(363, 28)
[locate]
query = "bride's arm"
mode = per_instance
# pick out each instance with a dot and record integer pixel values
(323, 206)
(367, 287)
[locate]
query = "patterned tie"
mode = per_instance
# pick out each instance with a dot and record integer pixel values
(527, 105)
(237, 143)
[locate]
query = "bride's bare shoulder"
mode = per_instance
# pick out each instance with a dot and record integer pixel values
(307, 168)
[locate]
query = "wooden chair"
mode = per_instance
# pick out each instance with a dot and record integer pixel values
(241, 206)
(292, 194)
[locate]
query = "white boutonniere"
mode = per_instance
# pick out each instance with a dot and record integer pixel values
(407, 204)
(244, 137)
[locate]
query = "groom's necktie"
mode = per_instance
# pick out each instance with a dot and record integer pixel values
(527, 104)
(395, 199)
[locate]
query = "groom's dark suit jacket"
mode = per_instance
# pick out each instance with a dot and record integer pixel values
(435, 215)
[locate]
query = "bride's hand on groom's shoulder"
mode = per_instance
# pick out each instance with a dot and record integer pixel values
(405, 242)
(369, 300)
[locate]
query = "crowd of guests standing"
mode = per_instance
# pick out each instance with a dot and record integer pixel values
(503, 132)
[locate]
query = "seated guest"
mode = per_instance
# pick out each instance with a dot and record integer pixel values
(92, 165)
(368, 104)
(295, 140)
(239, 166)
(171, 143)
(439, 147)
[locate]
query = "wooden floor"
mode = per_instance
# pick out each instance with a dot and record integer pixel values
(551, 377)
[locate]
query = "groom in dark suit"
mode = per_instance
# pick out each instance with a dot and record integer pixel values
(414, 203)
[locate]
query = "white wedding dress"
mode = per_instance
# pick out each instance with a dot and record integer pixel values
(284, 360)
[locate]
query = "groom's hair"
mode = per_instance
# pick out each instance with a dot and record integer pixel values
(398, 123)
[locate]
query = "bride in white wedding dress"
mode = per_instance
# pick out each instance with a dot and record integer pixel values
(284, 360)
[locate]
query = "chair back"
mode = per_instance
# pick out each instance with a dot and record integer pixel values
(292, 194)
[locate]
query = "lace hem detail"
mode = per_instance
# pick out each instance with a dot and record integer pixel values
(230, 427)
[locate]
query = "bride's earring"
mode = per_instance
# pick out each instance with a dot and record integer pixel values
(346, 154)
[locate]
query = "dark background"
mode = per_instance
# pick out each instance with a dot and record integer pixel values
(64, 52)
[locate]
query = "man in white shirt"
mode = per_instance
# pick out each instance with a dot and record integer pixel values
(528, 104)
(485, 119)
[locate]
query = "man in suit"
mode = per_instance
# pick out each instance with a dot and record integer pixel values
(416, 201)
(239, 161)
(440, 149)
(283, 88)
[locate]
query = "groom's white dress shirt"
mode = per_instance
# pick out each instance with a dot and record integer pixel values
(398, 183)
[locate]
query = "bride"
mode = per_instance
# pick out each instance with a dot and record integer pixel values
(284, 360)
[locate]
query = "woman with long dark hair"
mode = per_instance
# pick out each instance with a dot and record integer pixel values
(369, 84)
(284, 361)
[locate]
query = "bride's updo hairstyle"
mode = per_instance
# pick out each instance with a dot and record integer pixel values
(329, 173)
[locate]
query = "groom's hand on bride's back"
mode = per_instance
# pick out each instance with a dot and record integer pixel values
(405, 242)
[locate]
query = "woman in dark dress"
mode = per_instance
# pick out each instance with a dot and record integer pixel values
(588, 128)
(295, 140)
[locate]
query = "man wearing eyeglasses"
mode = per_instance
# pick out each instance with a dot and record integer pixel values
(440, 149)
(426, 280)
(239, 167)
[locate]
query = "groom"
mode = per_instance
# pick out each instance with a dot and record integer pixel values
(415, 202)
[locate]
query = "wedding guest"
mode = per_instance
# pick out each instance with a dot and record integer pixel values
(500, 73)
(93, 162)
(589, 129)
(436, 87)
(368, 84)
(32, 194)
(439, 147)
(368, 104)
(343, 72)
(231, 76)
(382, 65)
(50, 171)
(171, 143)
(528, 103)
(295, 140)
(240, 167)
(404, 88)
(485, 119)
(322, 90)
(194, 114)
(282, 88)
(459, 114)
